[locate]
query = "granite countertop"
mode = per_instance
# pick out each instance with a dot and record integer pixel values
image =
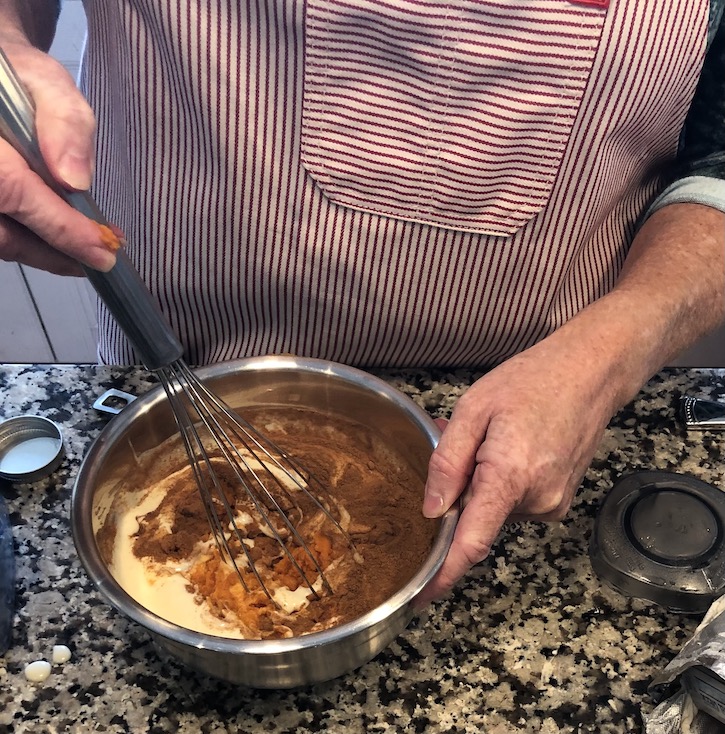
(531, 642)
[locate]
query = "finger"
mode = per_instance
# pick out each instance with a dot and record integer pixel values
(18, 244)
(64, 121)
(26, 198)
(477, 529)
(452, 463)
(65, 127)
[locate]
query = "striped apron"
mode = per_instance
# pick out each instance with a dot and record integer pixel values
(382, 182)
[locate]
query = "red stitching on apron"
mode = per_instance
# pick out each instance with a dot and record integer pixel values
(597, 3)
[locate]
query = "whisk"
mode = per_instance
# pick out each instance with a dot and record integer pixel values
(267, 476)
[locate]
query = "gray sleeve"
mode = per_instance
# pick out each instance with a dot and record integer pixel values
(692, 190)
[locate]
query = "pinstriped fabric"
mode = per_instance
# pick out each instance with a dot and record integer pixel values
(642, 100)
(500, 85)
(200, 108)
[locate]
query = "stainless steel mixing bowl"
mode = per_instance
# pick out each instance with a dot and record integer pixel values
(308, 383)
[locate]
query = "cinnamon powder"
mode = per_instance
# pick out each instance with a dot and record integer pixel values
(370, 480)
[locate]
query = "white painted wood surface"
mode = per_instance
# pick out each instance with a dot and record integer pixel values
(22, 338)
(71, 329)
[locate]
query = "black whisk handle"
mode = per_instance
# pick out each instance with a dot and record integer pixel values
(136, 312)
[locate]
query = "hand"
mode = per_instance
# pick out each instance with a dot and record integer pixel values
(516, 448)
(37, 227)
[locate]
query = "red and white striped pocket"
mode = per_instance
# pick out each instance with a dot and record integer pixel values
(453, 114)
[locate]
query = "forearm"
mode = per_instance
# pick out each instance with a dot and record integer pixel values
(670, 293)
(32, 20)
(675, 271)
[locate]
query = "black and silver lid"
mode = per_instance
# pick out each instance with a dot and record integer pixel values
(660, 536)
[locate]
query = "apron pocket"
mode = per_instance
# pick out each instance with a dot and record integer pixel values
(454, 115)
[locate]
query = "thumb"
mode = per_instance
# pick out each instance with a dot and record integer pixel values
(65, 125)
(452, 463)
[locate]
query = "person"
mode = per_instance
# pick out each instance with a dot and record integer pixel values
(511, 187)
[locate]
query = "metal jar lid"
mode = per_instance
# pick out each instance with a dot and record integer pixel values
(660, 536)
(31, 447)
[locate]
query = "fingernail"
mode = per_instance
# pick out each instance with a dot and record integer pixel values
(119, 233)
(75, 170)
(111, 237)
(432, 506)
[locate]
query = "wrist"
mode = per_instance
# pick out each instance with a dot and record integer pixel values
(607, 353)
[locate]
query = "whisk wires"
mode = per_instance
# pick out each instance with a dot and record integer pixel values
(267, 475)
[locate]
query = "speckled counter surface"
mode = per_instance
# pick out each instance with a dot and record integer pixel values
(531, 642)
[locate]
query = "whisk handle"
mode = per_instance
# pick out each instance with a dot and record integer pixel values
(129, 300)
(122, 288)
(136, 312)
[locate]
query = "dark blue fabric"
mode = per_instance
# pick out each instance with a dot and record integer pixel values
(702, 145)
(7, 579)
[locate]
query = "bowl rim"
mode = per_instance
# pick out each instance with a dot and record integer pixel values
(124, 603)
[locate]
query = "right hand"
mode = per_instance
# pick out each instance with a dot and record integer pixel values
(37, 227)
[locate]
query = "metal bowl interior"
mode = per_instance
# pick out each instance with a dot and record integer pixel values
(309, 383)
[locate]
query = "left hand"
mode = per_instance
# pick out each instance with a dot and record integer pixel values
(518, 444)
(521, 438)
